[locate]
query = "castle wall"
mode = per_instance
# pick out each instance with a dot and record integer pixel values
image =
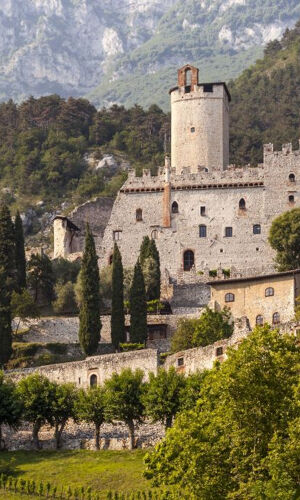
(199, 128)
(80, 372)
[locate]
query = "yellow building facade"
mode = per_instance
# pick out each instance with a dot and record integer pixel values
(262, 299)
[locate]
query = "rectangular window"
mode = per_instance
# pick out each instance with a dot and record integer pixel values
(228, 232)
(202, 231)
(256, 229)
(219, 351)
(180, 361)
(117, 235)
(208, 87)
(202, 211)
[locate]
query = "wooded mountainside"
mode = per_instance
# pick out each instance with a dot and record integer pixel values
(44, 142)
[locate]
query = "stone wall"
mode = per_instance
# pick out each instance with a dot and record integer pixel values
(80, 372)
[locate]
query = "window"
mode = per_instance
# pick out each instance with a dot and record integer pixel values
(117, 235)
(259, 320)
(93, 380)
(219, 351)
(242, 204)
(229, 297)
(154, 234)
(276, 318)
(208, 87)
(292, 178)
(139, 214)
(79, 380)
(269, 292)
(188, 77)
(228, 232)
(256, 229)
(202, 211)
(188, 260)
(110, 260)
(192, 129)
(175, 209)
(202, 231)
(291, 198)
(180, 361)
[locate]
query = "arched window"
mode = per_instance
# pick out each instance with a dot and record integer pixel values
(202, 231)
(242, 204)
(175, 207)
(188, 77)
(93, 380)
(154, 234)
(259, 320)
(139, 214)
(291, 198)
(292, 178)
(188, 260)
(229, 297)
(256, 229)
(269, 292)
(276, 318)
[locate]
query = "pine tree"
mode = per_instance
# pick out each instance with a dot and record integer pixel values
(89, 316)
(7, 246)
(155, 290)
(20, 253)
(117, 305)
(5, 320)
(138, 307)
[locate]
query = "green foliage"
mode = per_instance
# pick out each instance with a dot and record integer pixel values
(23, 306)
(154, 306)
(223, 447)
(10, 406)
(20, 253)
(7, 246)
(210, 327)
(62, 408)
(37, 393)
(138, 307)
(124, 399)
(150, 263)
(284, 238)
(89, 315)
(128, 346)
(40, 278)
(162, 397)
(5, 320)
(191, 390)
(117, 306)
(90, 407)
(65, 271)
(65, 302)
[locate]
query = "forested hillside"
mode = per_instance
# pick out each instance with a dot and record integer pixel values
(45, 142)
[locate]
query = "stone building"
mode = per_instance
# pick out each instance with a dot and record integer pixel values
(208, 218)
(262, 299)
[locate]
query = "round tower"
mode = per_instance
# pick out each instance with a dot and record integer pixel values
(199, 123)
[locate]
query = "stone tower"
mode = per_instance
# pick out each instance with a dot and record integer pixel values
(200, 123)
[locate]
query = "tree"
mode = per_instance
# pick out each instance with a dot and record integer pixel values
(145, 250)
(7, 246)
(37, 394)
(10, 405)
(162, 397)
(154, 291)
(219, 448)
(5, 320)
(138, 307)
(90, 406)
(150, 263)
(124, 399)
(65, 302)
(23, 307)
(89, 315)
(191, 390)
(117, 304)
(183, 336)
(65, 271)
(63, 408)
(284, 237)
(40, 278)
(20, 253)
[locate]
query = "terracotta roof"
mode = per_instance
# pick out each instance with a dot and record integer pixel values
(70, 224)
(253, 278)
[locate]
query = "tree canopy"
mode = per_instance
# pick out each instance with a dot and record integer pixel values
(284, 238)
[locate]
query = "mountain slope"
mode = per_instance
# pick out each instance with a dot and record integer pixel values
(127, 51)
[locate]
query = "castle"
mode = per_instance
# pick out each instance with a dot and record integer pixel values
(207, 217)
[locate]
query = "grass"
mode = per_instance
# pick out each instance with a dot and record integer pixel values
(101, 470)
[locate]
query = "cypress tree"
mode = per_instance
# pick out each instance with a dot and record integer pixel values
(5, 320)
(7, 246)
(20, 253)
(145, 250)
(154, 293)
(138, 307)
(117, 303)
(89, 315)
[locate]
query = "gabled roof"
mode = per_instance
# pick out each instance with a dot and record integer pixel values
(261, 277)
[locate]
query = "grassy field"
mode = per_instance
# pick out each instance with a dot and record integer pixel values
(102, 470)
